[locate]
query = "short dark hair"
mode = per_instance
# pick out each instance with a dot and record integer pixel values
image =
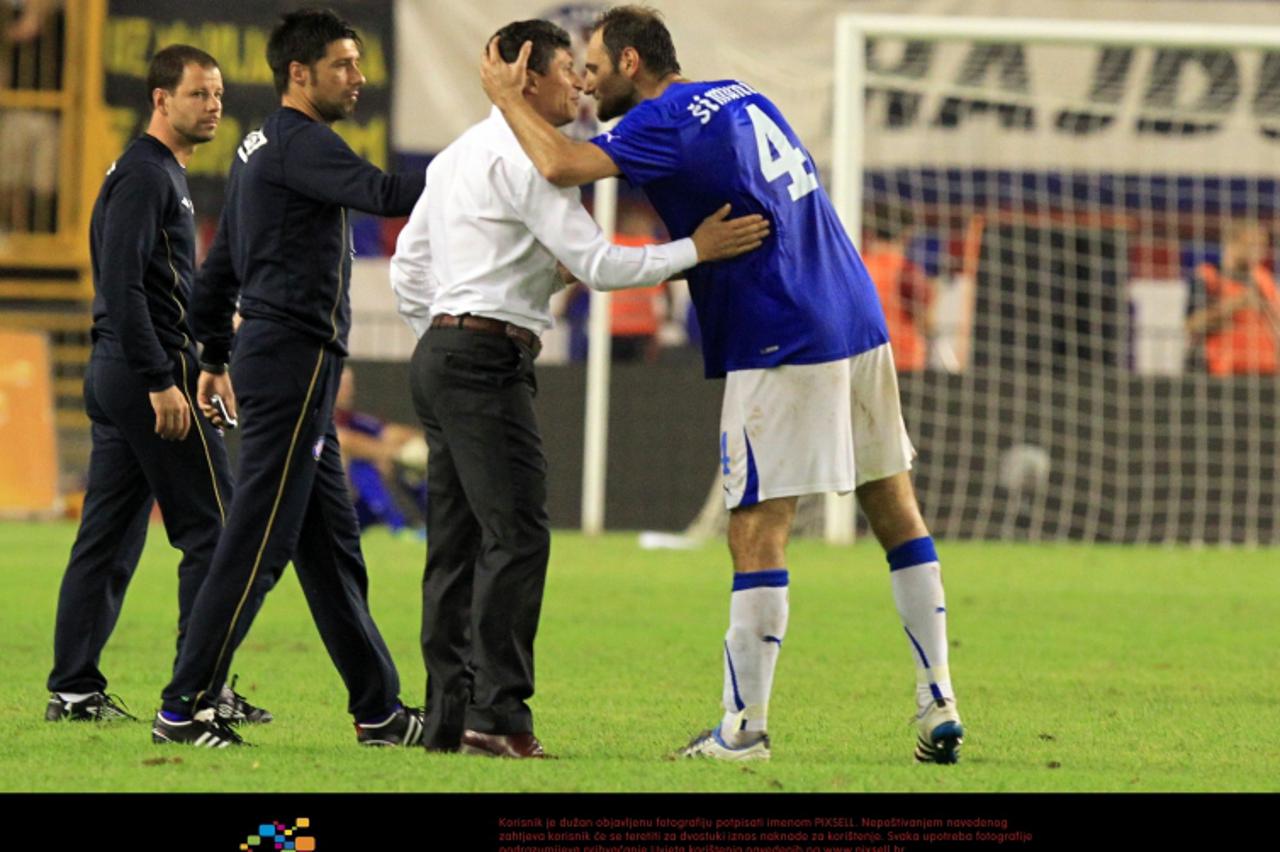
(546, 38)
(304, 36)
(167, 66)
(641, 28)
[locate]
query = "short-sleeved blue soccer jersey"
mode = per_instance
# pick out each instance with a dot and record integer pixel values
(803, 297)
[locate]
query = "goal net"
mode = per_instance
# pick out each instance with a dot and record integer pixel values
(1072, 226)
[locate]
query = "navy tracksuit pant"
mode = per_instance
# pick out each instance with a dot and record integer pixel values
(291, 503)
(130, 465)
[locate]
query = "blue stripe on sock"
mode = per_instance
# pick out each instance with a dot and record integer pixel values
(733, 678)
(923, 659)
(774, 639)
(915, 552)
(773, 578)
(751, 494)
(170, 716)
(933, 687)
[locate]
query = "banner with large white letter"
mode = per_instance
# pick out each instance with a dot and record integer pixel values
(1054, 106)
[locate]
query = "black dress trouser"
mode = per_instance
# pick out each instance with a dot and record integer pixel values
(488, 538)
(128, 466)
(291, 502)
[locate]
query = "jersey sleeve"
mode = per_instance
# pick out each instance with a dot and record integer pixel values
(320, 165)
(213, 298)
(134, 219)
(645, 145)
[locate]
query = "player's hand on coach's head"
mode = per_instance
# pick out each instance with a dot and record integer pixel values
(501, 78)
(220, 384)
(173, 415)
(719, 237)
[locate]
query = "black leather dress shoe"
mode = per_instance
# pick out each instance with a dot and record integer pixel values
(502, 745)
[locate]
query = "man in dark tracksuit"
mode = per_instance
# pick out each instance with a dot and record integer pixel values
(283, 245)
(139, 386)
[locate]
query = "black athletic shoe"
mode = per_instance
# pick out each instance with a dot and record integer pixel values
(98, 707)
(233, 709)
(404, 728)
(204, 730)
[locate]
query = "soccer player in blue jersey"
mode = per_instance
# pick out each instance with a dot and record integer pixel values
(796, 328)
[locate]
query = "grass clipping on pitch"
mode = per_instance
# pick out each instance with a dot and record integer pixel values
(1077, 668)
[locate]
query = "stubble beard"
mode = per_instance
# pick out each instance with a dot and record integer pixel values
(197, 137)
(617, 105)
(335, 111)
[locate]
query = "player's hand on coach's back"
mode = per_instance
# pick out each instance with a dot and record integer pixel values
(173, 415)
(719, 237)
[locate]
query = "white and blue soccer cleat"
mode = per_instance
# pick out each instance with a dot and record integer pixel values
(939, 733)
(711, 744)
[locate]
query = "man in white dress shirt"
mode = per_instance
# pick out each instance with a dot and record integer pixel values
(473, 271)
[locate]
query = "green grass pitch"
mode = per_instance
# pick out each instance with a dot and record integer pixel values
(1078, 668)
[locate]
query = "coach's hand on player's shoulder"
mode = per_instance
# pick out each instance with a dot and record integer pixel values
(207, 386)
(500, 78)
(719, 237)
(173, 415)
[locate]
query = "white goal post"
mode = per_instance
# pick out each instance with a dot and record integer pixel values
(1087, 213)
(1103, 439)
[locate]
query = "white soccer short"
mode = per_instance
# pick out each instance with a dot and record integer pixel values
(811, 428)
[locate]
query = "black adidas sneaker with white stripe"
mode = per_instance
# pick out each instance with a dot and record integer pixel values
(98, 707)
(234, 709)
(204, 730)
(402, 728)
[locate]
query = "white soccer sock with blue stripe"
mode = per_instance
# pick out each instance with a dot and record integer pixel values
(916, 576)
(757, 626)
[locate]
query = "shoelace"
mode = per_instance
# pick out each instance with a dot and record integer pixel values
(228, 732)
(115, 704)
(219, 727)
(236, 698)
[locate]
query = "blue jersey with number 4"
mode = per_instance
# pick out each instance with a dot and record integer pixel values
(803, 297)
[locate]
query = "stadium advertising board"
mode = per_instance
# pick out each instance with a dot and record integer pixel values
(1027, 106)
(1039, 106)
(236, 35)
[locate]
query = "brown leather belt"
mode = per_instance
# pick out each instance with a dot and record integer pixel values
(487, 325)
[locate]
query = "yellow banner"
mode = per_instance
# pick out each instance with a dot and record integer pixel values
(29, 460)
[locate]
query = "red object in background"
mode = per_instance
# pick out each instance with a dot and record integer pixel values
(391, 229)
(905, 296)
(1247, 346)
(1154, 260)
(633, 312)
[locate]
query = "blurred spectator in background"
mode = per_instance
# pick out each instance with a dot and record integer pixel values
(635, 315)
(905, 290)
(576, 312)
(1241, 323)
(382, 459)
(28, 137)
(26, 18)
